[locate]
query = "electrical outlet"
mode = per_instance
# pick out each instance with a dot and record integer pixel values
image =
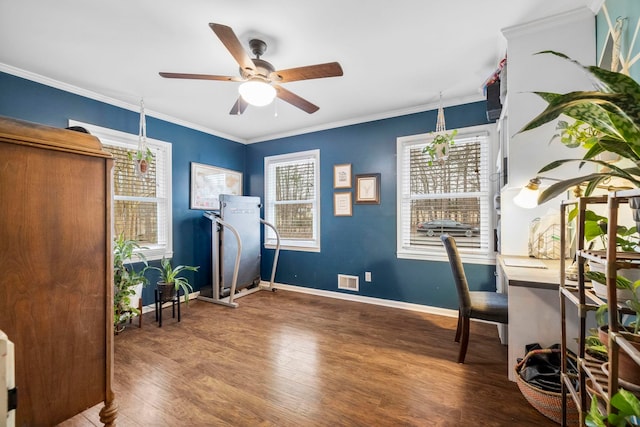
(367, 276)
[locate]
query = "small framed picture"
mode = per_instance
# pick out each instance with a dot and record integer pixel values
(342, 176)
(342, 204)
(368, 188)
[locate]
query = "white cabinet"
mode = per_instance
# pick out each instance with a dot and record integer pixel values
(573, 34)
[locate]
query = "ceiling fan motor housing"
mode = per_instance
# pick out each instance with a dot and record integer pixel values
(263, 70)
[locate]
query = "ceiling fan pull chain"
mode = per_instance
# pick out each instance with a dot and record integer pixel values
(275, 107)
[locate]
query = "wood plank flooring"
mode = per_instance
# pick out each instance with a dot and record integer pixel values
(291, 359)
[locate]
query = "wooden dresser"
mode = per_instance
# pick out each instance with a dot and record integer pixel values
(56, 288)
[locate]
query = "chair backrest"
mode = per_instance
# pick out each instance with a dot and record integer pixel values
(458, 272)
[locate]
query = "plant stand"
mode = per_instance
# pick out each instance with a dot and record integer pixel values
(161, 299)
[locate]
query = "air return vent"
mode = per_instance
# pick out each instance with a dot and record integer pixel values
(348, 282)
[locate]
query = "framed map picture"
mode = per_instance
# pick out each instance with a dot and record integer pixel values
(209, 182)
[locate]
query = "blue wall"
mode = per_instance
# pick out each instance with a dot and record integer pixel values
(629, 11)
(350, 245)
(34, 102)
(366, 241)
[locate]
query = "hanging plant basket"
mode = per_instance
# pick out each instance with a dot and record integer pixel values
(438, 148)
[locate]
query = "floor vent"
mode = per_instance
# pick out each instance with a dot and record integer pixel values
(350, 283)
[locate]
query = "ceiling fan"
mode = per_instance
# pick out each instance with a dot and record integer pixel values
(260, 79)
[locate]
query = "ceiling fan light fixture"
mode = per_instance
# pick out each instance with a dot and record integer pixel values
(257, 92)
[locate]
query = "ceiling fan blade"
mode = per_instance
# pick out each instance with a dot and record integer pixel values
(295, 100)
(319, 71)
(199, 76)
(239, 107)
(233, 45)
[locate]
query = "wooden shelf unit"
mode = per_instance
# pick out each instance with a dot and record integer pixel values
(586, 301)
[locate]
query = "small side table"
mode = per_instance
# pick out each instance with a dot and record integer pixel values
(159, 300)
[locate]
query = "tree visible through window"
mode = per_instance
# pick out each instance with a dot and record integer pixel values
(444, 197)
(292, 198)
(135, 214)
(141, 204)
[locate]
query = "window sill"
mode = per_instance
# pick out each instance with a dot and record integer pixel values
(486, 259)
(154, 254)
(285, 247)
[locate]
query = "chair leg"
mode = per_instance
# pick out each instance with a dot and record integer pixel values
(459, 327)
(465, 340)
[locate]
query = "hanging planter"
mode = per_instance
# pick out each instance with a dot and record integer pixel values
(143, 156)
(438, 148)
(142, 161)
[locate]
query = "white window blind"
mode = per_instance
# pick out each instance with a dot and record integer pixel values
(452, 197)
(292, 199)
(141, 205)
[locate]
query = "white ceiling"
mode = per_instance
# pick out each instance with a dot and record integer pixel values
(396, 56)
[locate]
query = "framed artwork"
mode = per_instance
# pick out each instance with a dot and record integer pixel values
(342, 204)
(368, 188)
(209, 182)
(342, 176)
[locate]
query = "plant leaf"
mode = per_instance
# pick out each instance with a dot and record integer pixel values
(626, 403)
(589, 100)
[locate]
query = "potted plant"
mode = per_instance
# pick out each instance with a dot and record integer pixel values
(170, 282)
(127, 281)
(438, 148)
(628, 411)
(627, 240)
(143, 159)
(628, 370)
(607, 122)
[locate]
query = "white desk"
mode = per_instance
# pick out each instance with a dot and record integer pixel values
(534, 308)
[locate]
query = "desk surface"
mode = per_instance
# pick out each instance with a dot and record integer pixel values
(542, 278)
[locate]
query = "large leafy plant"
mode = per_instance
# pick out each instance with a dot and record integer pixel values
(126, 277)
(608, 120)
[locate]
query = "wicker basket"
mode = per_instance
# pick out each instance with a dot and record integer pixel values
(547, 403)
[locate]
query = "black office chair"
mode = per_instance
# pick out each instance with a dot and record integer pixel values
(489, 306)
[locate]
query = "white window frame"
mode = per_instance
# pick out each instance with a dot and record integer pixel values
(474, 256)
(122, 139)
(270, 162)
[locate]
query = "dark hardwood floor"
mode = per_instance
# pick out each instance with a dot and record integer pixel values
(290, 359)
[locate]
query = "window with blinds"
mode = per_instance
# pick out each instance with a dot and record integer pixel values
(452, 197)
(292, 199)
(141, 204)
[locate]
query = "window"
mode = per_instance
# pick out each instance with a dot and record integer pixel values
(292, 200)
(141, 205)
(452, 197)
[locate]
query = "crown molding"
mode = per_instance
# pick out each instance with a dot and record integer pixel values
(373, 117)
(331, 125)
(548, 22)
(28, 75)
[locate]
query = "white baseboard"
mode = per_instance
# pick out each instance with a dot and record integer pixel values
(368, 300)
(348, 297)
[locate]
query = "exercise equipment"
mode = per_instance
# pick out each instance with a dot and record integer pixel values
(235, 250)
